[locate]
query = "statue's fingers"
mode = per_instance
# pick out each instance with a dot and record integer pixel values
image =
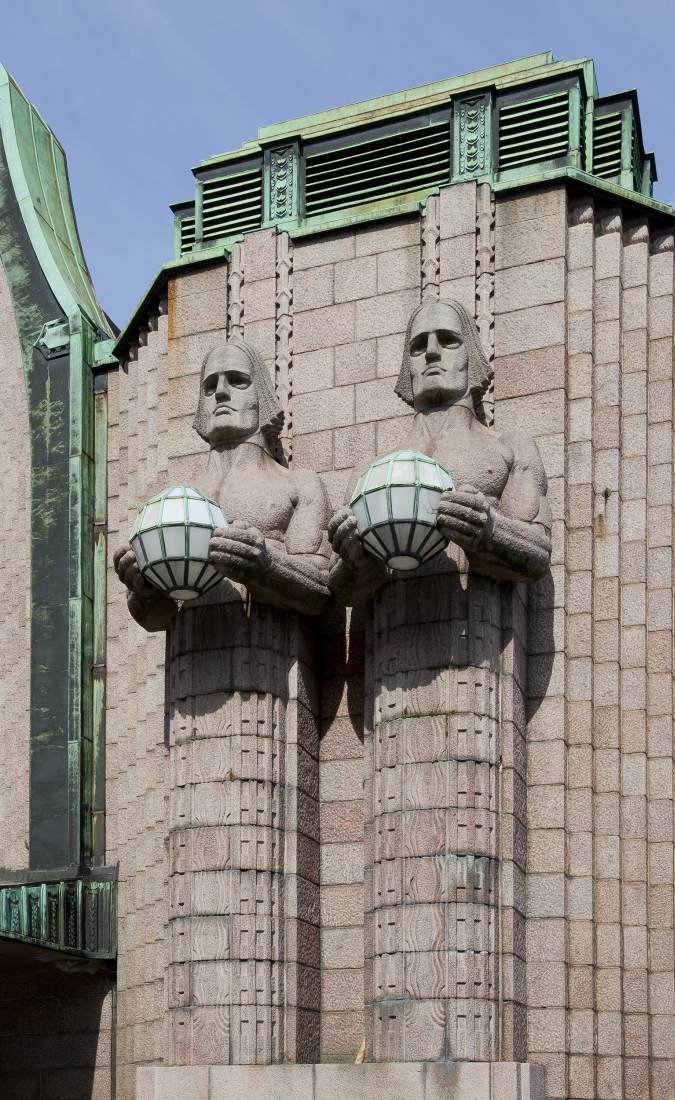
(345, 532)
(452, 528)
(126, 565)
(452, 509)
(337, 519)
(232, 565)
(235, 548)
(119, 553)
(240, 536)
(469, 499)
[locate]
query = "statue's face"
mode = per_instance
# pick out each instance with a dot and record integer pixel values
(439, 360)
(229, 395)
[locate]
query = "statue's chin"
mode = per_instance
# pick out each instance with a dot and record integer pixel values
(230, 433)
(435, 396)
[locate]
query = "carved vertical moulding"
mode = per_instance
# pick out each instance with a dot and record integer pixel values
(472, 152)
(283, 378)
(431, 244)
(235, 294)
(281, 183)
(485, 283)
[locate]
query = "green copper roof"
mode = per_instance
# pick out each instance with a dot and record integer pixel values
(536, 67)
(525, 123)
(39, 175)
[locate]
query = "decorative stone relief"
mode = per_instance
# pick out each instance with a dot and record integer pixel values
(472, 142)
(283, 381)
(485, 284)
(235, 294)
(282, 182)
(431, 241)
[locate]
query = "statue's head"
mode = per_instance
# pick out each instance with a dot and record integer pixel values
(443, 361)
(236, 398)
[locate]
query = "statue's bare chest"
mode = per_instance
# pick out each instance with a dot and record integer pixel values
(476, 458)
(261, 500)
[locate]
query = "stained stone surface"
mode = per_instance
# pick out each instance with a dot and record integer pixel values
(396, 1081)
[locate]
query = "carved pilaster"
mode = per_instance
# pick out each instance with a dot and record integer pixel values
(235, 294)
(485, 282)
(283, 378)
(431, 243)
(472, 136)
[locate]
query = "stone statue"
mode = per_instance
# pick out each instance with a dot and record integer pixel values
(243, 812)
(498, 514)
(276, 544)
(444, 742)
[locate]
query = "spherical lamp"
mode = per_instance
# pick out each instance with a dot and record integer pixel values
(395, 504)
(171, 541)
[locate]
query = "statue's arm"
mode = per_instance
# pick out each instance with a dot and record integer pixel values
(517, 536)
(147, 605)
(353, 575)
(295, 578)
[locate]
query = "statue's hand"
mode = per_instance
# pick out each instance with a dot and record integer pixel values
(464, 516)
(344, 537)
(129, 572)
(239, 552)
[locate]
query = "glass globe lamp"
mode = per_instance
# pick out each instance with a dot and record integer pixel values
(171, 541)
(395, 504)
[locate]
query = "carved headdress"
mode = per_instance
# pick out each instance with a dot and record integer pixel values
(270, 415)
(480, 371)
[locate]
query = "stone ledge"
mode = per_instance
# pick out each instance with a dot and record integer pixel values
(393, 1080)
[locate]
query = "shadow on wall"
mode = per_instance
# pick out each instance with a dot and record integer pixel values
(56, 1026)
(347, 637)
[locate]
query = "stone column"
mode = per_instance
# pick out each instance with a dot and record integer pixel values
(433, 816)
(243, 819)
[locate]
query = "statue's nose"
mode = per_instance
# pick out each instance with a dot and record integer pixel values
(433, 347)
(222, 389)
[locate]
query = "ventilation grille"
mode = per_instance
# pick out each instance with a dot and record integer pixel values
(636, 159)
(187, 235)
(377, 169)
(535, 130)
(607, 145)
(231, 205)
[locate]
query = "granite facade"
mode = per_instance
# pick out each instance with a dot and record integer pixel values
(574, 305)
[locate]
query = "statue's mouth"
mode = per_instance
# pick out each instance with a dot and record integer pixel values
(222, 409)
(429, 372)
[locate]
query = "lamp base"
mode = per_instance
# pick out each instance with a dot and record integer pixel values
(373, 1081)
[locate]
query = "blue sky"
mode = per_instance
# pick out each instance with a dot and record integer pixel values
(139, 91)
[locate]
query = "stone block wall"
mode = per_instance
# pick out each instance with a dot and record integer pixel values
(573, 301)
(137, 777)
(15, 607)
(583, 352)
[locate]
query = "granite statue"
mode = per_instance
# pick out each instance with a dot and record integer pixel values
(442, 718)
(499, 513)
(276, 543)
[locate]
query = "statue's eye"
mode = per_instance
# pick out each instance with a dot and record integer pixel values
(418, 345)
(239, 380)
(448, 339)
(209, 385)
